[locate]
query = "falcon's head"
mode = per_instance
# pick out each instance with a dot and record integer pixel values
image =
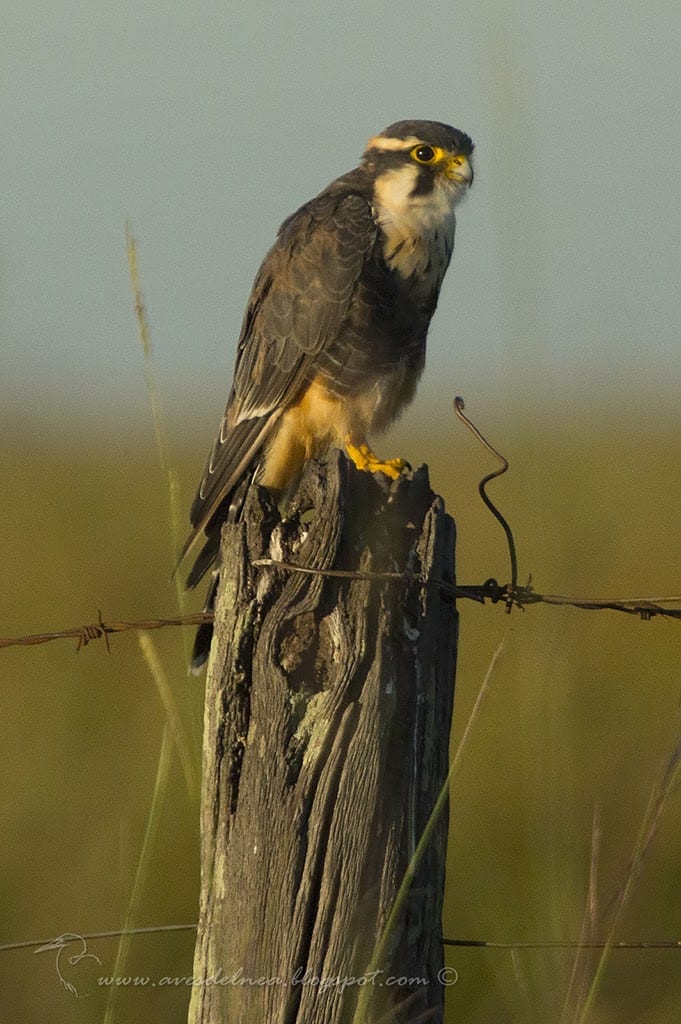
(419, 171)
(420, 161)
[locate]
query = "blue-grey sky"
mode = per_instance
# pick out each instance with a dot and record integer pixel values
(206, 124)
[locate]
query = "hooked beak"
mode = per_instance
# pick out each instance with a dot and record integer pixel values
(459, 169)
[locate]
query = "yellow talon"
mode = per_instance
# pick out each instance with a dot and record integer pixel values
(366, 460)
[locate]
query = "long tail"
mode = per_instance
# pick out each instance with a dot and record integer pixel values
(229, 512)
(204, 634)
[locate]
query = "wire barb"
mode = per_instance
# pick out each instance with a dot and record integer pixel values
(491, 590)
(83, 635)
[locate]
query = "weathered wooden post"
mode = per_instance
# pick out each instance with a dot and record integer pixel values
(328, 712)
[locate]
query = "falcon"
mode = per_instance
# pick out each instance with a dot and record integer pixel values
(333, 340)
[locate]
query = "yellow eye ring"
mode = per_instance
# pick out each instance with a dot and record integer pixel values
(424, 154)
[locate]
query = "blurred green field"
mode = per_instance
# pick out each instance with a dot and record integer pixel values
(581, 716)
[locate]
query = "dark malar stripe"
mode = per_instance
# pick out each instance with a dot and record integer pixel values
(425, 182)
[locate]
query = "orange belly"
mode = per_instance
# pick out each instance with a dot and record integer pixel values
(306, 431)
(320, 420)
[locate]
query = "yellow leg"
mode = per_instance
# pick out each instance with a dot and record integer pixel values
(365, 459)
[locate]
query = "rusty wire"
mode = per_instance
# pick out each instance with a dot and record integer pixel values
(482, 491)
(520, 597)
(509, 594)
(83, 635)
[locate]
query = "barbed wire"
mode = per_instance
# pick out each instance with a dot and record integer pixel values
(511, 595)
(98, 630)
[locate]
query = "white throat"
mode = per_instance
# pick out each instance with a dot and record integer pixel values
(419, 229)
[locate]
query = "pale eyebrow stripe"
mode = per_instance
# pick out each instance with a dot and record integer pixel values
(380, 142)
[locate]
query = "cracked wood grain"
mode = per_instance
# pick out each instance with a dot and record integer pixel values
(327, 721)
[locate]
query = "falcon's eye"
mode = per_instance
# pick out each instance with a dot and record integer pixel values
(424, 154)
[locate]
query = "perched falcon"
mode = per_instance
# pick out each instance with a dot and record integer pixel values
(334, 336)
